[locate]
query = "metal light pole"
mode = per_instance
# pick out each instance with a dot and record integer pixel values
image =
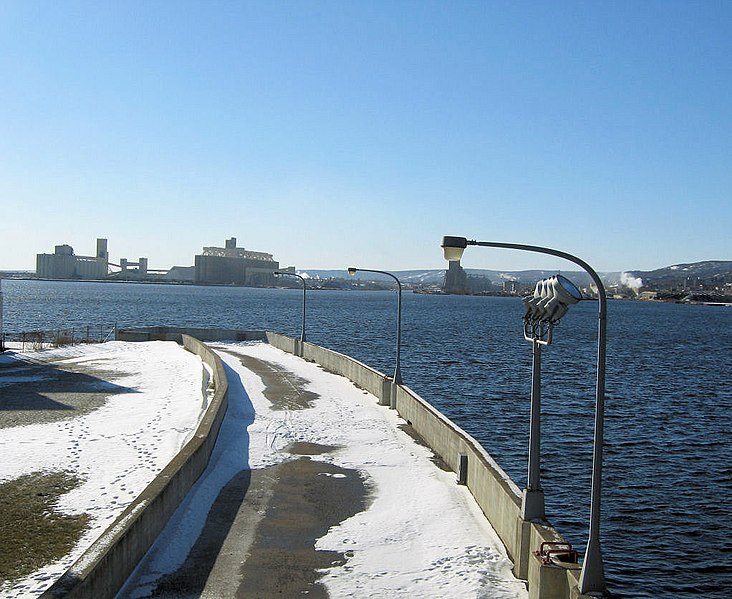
(532, 499)
(397, 368)
(592, 577)
(277, 273)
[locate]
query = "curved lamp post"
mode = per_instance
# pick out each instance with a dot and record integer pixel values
(592, 578)
(397, 368)
(277, 273)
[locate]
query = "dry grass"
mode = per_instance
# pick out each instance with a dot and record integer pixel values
(32, 532)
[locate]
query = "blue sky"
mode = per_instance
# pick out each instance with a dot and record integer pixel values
(339, 133)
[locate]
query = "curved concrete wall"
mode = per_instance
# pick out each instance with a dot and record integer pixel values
(176, 334)
(102, 570)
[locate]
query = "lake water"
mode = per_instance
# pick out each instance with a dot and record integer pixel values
(668, 430)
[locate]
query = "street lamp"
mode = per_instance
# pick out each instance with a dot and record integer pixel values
(592, 577)
(397, 369)
(544, 309)
(277, 273)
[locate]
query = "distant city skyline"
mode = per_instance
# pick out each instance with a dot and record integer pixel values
(358, 134)
(315, 268)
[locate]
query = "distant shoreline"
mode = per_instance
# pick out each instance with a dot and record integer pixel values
(723, 304)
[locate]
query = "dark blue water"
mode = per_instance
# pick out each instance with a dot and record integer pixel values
(667, 472)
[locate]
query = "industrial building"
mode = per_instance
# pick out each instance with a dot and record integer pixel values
(231, 265)
(228, 265)
(64, 264)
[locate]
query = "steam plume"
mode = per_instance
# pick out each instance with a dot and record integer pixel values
(635, 283)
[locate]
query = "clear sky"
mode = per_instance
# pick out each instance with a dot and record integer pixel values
(359, 133)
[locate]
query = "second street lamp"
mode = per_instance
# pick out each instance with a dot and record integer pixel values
(397, 368)
(592, 577)
(278, 273)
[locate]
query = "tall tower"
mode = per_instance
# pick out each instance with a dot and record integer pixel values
(456, 281)
(102, 249)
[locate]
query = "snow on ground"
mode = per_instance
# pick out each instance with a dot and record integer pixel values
(116, 449)
(422, 536)
(231, 455)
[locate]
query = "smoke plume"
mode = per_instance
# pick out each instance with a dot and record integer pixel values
(635, 283)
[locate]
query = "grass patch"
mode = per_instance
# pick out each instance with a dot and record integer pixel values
(32, 532)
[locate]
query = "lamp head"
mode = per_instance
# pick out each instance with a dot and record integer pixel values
(551, 300)
(276, 274)
(453, 247)
(563, 294)
(566, 290)
(352, 270)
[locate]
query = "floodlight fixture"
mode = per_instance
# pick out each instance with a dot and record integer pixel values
(561, 293)
(546, 306)
(544, 309)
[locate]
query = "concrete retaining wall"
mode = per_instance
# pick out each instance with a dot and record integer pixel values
(102, 570)
(176, 334)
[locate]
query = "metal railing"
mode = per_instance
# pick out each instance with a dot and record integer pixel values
(58, 337)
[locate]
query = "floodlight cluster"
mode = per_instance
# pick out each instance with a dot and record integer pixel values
(551, 300)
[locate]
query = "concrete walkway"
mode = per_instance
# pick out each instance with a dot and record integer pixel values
(259, 537)
(263, 532)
